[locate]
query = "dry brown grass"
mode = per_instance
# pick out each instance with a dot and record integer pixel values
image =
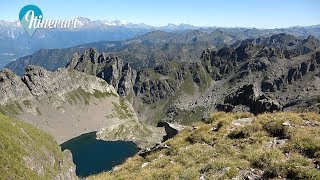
(219, 149)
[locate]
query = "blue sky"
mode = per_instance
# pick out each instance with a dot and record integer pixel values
(227, 13)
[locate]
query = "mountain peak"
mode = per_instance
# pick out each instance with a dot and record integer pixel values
(116, 22)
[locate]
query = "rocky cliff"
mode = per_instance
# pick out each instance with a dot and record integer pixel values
(143, 88)
(266, 74)
(281, 70)
(112, 69)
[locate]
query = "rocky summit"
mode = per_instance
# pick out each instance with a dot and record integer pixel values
(112, 69)
(266, 74)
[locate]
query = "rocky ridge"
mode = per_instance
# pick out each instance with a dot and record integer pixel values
(267, 74)
(68, 103)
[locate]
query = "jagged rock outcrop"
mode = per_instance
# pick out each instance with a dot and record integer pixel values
(171, 129)
(220, 63)
(260, 64)
(293, 74)
(281, 65)
(151, 84)
(11, 87)
(279, 46)
(273, 66)
(110, 68)
(249, 95)
(41, 82)
(127, 80)
(151, 90)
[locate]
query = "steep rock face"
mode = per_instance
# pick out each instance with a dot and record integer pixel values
(220, 63)
(281, 68)
(277, 46)
(282, 78)
(161, 82)
(227, 60)
(11, 87)
(249, 95)
(41, 82)
(260, 64)
(151, 85)
(126, 81)
(152, 90)
(112, 69)
(257, 53)
(293, 74)
(274, 73)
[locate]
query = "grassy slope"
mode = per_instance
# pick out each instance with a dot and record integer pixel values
(232, 150)
(19, 140)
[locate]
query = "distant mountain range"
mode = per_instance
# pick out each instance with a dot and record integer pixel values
(15, 43)
(143, 51)
(155, 47)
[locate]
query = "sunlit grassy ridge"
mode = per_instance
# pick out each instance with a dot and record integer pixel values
(280, 145)
(21, 145)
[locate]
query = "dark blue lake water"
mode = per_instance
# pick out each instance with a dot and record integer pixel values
(92, 156)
